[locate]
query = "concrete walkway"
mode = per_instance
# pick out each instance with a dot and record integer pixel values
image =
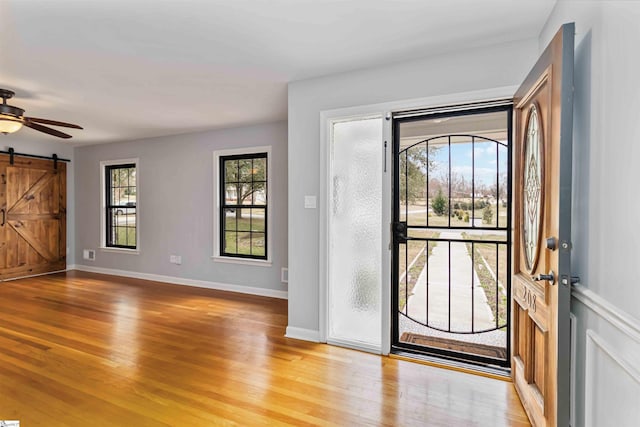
(465, 290)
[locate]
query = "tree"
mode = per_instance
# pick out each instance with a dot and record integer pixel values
(123, 181)
(245, 178)
(487, 215)
(439, 204)
(414, 164)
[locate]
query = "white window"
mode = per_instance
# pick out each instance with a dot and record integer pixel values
(242, 205)
(119, 214)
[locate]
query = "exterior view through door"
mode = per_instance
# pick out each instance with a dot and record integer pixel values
(452, 215)
(452, 272)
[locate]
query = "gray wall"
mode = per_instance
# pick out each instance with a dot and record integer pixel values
(605, 204)
(175, 200)
(473, 70)
(64, 149)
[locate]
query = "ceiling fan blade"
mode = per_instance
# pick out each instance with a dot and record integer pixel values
(46, 130)
(52, 122)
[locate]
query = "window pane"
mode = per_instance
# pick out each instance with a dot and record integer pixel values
(245, 170)
(260, 169)
(244, 243)
(230, 242)
(230, 220)
(259, 196)
(243, 216)
(231, 194)
(257, 219)
(356, 232)
(231, 170)
(257, 244)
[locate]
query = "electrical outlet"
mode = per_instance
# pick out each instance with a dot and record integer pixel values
(175, 259)
(89, 254)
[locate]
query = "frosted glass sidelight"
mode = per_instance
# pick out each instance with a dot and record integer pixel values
(355, 232)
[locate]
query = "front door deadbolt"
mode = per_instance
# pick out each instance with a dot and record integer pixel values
(552, 243)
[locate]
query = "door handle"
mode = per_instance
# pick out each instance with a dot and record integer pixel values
(551, 277)
(400, 231)
(4, 218)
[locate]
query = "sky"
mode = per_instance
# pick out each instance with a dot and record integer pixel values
(485, 162)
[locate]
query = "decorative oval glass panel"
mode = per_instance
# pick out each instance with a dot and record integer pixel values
(532, 189)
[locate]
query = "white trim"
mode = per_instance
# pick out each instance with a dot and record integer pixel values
(243, 261)
(420, 103)
(355, 345)
(612, 314)
(386, 240)
(216, 257)
(573, 326)
(302, 334)
(103, 220)
(347, 113)
(119, 251)
(272, 293)
(594, 342)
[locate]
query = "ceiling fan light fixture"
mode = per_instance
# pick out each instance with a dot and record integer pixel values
(9, 124)
(12, 119)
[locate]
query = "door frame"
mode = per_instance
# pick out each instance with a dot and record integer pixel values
(327, 117)
(476, 108)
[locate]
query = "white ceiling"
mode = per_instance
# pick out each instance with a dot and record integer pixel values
(141, 68)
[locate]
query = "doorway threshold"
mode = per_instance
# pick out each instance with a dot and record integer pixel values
(483, 370)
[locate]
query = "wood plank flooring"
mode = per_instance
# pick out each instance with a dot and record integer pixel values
(81, 349)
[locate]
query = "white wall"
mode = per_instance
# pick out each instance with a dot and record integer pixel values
(175, 202)
(22, 144)
(473, 70)
(606, 252)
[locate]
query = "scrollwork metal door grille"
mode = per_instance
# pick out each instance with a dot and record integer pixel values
(452, 240)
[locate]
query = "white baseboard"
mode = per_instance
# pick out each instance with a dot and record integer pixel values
(272, 293)
(302, 334)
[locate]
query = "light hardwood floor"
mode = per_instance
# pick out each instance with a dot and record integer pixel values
(81, 349)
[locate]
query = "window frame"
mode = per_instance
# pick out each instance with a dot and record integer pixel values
(104, 219)
(219, 204)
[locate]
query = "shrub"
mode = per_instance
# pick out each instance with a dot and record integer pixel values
(487, 215)
(439, 204)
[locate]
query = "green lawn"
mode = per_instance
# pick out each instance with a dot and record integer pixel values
(125, 236)
(244, 243)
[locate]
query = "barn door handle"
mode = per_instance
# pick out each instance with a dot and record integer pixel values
(4, 217)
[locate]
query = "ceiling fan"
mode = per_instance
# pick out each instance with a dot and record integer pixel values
(12, 119)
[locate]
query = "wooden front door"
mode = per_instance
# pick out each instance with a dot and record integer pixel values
(541, 286)
(32, 217)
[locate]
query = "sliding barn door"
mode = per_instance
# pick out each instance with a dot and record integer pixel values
(32, 217)
(541, 286)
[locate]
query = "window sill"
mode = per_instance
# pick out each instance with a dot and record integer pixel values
(121, 251)
(245, 261)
